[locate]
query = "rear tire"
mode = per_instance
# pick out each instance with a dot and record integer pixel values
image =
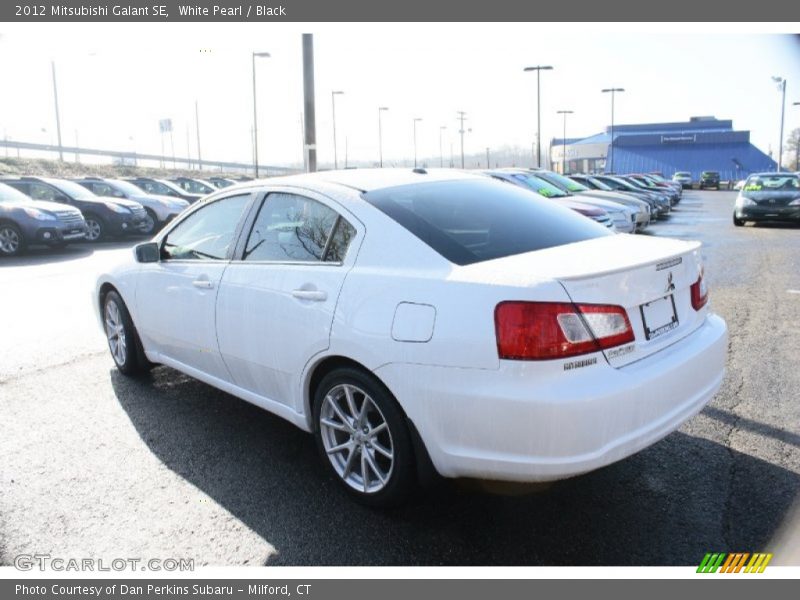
(363, 439)
(12, 242)
(123, 340)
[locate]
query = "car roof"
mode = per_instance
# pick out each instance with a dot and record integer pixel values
(774, 173)
(367, 180)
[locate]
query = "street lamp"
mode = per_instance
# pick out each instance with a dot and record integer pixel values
(255, 112)
(416, 119)
(612, 91)
(441, 155)
(538, 69)
(333, 104)
(462, 116)
(564, 141)
(797, 146)
(380, 135)
(782, 87)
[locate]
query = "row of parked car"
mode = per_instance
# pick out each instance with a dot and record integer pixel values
(56, 212)
(625, 203)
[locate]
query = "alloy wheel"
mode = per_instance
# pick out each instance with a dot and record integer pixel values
(356, 438)
(9, 241)
(115, 332)
(93, 230)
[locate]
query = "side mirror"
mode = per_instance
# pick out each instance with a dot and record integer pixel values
(61, 199)
(148, 252)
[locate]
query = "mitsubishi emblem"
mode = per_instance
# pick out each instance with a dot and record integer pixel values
(670, 285)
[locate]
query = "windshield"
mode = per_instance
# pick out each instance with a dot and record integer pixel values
(125, 187)
(622, 183)
(777, 182)
(565, 183)
(682, 174)
(10, 194)
(472, 220)
(548, 190)
(600, 185)
(161, 186)
(70, 188)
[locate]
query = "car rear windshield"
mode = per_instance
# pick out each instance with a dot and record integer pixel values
(469, 221)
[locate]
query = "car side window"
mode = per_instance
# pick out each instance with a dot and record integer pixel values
(208, 233)
(292, 228)
(42, 192)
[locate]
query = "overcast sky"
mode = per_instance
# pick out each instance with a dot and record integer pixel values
(115, 81)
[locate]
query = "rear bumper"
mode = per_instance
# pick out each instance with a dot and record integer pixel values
(509, 424)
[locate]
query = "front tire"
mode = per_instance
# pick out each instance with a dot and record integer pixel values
(736, 221)
(123, 341)
(363, 438)
(95, 228)
(150, 223)
(12, 242)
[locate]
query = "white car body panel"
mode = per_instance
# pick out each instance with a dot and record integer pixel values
(425, 327)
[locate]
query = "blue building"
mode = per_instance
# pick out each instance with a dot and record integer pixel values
(699, 144)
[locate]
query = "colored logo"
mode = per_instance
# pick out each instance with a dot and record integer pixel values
(734, 562)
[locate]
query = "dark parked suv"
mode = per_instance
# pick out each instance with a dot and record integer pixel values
(105, 217)
(709, 179)
(25, 222)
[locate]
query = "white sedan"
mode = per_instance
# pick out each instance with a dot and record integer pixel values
(418, 319)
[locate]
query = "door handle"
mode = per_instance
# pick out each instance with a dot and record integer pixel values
(203, 284)
(314, 295)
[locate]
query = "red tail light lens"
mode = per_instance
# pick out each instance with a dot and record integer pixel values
(699, 292)
(550, 330)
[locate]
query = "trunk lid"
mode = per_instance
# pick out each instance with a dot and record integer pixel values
(649, 277)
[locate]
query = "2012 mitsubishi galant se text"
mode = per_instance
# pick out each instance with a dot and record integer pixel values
(417, 318)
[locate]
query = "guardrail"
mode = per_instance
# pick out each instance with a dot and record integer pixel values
(266, 170)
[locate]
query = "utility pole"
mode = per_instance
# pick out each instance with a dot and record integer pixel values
(58, 117)
(564, 141)
(333, 104)
(197, 128)
(381, 109)
(797, 146)
(488, 164)
(461, 117)
(441, 156)
(255, 112)
(416, 119)
(308, 97)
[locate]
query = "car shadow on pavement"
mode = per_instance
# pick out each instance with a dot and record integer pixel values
(667, 505)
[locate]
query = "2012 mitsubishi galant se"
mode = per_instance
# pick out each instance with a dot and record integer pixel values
(417, 318)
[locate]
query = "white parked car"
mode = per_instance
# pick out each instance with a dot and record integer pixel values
(417, 318)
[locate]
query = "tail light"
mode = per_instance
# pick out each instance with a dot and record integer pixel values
(699, 292)
(550, 330)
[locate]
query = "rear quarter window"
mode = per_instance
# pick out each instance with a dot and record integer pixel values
(470, 221)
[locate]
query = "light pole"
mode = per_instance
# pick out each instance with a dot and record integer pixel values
(441, 155)
(538, 69)
(797, 146)
(782, 87)
(255, 112)
(197, 128)
(58, 118)
(462, 117)
(564, 141)
(333, 105)
(612, 91)
(416, 119)
(380, 135)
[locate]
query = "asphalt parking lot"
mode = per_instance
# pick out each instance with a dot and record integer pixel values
(96, 465)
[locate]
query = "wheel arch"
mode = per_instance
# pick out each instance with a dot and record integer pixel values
(426, 472)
